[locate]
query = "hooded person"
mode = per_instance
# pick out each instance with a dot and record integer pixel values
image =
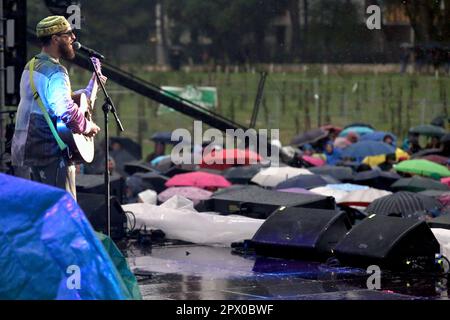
(332, 154)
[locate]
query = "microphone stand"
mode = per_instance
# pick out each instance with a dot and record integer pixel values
(108, 106)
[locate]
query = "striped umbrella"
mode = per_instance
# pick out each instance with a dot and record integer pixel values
(404, 204)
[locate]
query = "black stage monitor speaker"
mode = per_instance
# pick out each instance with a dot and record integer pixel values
(389, 242)
(93, 206)
(93, 183)
(256, 202)
(302, 233)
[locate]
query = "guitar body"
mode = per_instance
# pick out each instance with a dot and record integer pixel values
(81, 147)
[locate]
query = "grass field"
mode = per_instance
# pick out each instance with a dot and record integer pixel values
(293, 102)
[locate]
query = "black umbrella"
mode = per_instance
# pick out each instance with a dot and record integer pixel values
(129, 145)
(425, 152)
(376, 179)
(137, 166)
(308, 181)
(149, 180)
(343, 174)
(242, 174)
(417, 184)
(404, 204)
(310, 136)
(303, 181)
(434, 193)
(165, 137)
(445, 138)
(428, 130)
(122, 157)
(176, 170)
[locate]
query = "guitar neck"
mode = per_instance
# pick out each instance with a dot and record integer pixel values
(93, 96)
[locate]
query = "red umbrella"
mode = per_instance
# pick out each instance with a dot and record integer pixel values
(436, 159)
(198, 179)
(227, 158)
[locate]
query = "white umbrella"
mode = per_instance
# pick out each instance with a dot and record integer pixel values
(272, 176)
(362, 198)
(329, 192)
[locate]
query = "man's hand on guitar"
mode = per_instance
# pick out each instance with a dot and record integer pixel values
(92, 129)
(98, 67)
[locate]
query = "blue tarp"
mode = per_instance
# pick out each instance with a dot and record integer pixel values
(45, 239)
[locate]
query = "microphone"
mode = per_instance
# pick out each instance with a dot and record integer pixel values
(92, 53)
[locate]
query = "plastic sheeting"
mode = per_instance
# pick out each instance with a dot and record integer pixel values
(443, 237)
(179, 220)
(45, 239)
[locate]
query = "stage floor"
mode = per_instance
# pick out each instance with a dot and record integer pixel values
(192, 272)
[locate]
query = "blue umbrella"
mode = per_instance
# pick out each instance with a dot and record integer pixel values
(359, 130)
(307, 181)
(378, 136)
(364, 149)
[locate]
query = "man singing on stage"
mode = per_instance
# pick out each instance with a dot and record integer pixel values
(45, 89)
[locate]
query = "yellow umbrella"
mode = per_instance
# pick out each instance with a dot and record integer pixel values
(374, 161)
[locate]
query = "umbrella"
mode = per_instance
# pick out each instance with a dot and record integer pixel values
(446, 181)
(242, 174)
(378, 136)
(362, 198)
(315, 161)
(348, 187)
(340, 173)
(129, 145)
(404, 204)
(227, 158)
(358, 129)
(272, 176)
(374, 161)
(198, 179)
(436, 159)
(150, 180)
(363, 149)
(311, 136)
(428, 130)
(423, 168)
(296, 190)
(172, 171)
(360, 124)
(417, 184)
(434, 193)
(445, 138)
(192, 193)
(309, 181)
(122, 157)
(166, 138)
(331, 128)
(136, 166)
(329, 192)
(376, 179)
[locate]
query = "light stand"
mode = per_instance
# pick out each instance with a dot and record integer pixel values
(108, 106)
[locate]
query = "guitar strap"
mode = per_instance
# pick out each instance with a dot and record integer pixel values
(38, 99)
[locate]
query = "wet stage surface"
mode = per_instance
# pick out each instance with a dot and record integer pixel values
(192, 272)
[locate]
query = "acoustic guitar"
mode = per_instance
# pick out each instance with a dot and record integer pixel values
(81, 147)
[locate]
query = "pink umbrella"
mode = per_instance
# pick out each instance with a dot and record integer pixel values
(192, 193)
(446, 181)
(198, 179)
(316, 162)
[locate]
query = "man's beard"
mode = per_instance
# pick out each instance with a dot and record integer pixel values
(67, 51)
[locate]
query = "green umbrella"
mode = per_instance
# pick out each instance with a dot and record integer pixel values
(428, 130)
(423, 168)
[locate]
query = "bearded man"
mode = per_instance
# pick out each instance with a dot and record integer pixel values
(45, 96)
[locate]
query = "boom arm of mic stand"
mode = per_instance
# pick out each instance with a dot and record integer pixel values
(108, 99)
